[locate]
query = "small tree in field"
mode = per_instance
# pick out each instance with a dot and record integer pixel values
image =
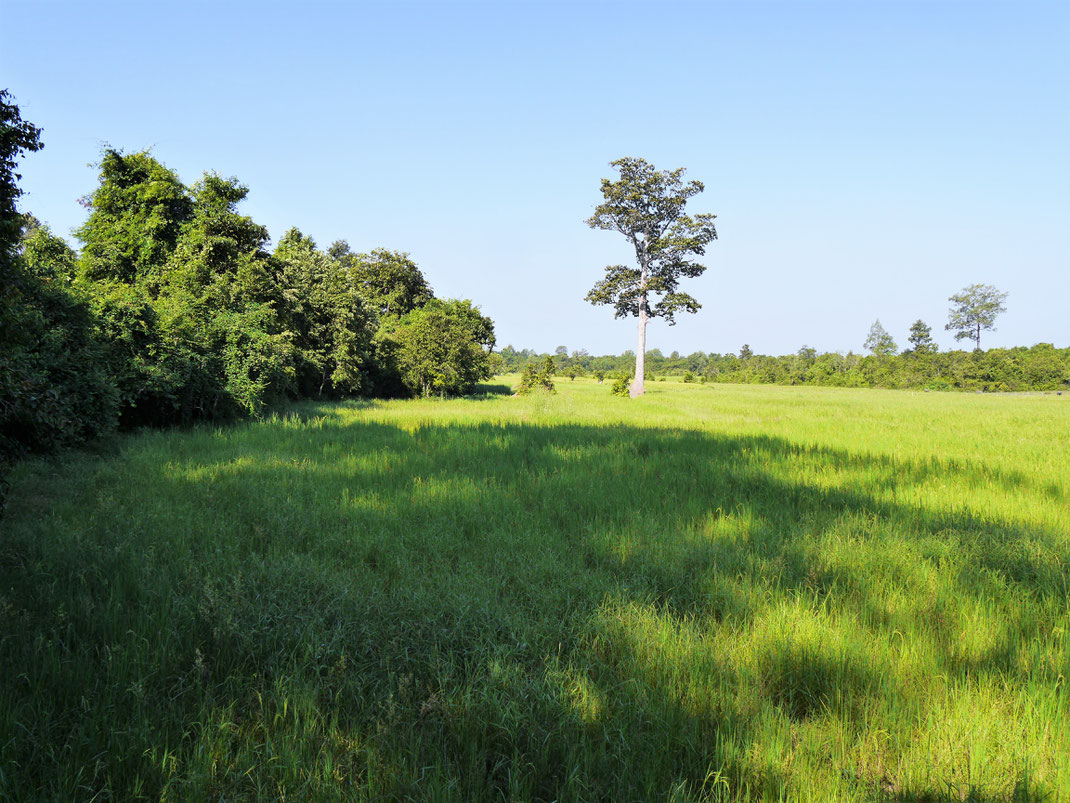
(537, 376)
(621, 383)
(976, 308)
(647, 207)
(879, 341)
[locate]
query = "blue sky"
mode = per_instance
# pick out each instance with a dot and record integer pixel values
(865, 159)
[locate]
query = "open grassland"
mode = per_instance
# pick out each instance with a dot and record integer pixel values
(722, 593)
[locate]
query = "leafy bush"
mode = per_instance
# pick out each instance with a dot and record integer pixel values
(257, 365)
(329, 322)
(441, 348)
(53, 392)
(537, 376)
(689, 377)
(621, 384)
(54, 389)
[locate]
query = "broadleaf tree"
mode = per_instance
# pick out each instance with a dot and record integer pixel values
(440, 348)
(646, 205)
(976, 308)
(879, 341)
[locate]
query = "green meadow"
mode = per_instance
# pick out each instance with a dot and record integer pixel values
(708, 593)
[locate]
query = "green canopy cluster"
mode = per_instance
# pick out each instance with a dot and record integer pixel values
(176, 309)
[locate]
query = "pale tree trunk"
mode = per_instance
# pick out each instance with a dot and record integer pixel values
(638, 388)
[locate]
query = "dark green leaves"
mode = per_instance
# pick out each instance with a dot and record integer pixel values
(647, 206)
(440, 348)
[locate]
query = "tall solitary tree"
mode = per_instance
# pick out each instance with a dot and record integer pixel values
(647, 206)
(976, 308)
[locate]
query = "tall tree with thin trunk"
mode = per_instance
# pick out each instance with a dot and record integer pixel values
(647, 206)
(976, 308)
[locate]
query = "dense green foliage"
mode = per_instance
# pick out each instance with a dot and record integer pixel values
(1041, 367)
(53, 388)
(174, 310)
(921, 338)
(711, 593)
(537, 376)
(439, 348)
(328, 319)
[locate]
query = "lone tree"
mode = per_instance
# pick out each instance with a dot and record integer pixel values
(647, 207)
(879, 341)
(976, 308)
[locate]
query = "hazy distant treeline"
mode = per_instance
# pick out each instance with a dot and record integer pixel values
(1040, 367)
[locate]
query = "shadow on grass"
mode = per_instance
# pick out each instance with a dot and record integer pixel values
(490, 391)
(495, 601)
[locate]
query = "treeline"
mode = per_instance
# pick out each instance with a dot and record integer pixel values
(1040, 367)
(175, 309)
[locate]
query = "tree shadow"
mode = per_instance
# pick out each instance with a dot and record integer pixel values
(489, 391)
(507, 569)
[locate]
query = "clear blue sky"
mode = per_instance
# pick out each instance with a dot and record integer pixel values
(865, 159)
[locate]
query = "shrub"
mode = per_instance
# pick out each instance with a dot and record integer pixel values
(688, 376)
(621, 384)
(537, 376)
(440, 348)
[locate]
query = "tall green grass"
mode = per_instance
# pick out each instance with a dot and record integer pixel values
(709, 593)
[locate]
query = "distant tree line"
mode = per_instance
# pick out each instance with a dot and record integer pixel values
(175, 309)
(922, 365)
(1040, 367)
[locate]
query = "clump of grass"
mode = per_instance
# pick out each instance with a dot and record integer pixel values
(724, 594)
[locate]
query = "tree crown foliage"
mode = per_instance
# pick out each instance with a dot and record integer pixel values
(975, 309)
(647, 206)
(390, 281)
(879, 341)
(920, 338)
(175, 310)
(17, 136)
(441, 348)
(136, 215)
(537, 375)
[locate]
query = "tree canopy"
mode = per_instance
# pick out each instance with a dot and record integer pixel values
(879, 341)
(175, 310)
(975, 309)
(440, 348)
(921, 338)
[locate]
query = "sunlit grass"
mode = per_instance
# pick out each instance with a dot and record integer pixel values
(712, 592)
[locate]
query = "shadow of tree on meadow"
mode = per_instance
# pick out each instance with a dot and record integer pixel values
(500, 538)
(504, 569)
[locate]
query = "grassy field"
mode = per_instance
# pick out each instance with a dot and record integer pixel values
(711, 593)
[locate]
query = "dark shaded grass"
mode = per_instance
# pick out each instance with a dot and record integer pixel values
(417, 597)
